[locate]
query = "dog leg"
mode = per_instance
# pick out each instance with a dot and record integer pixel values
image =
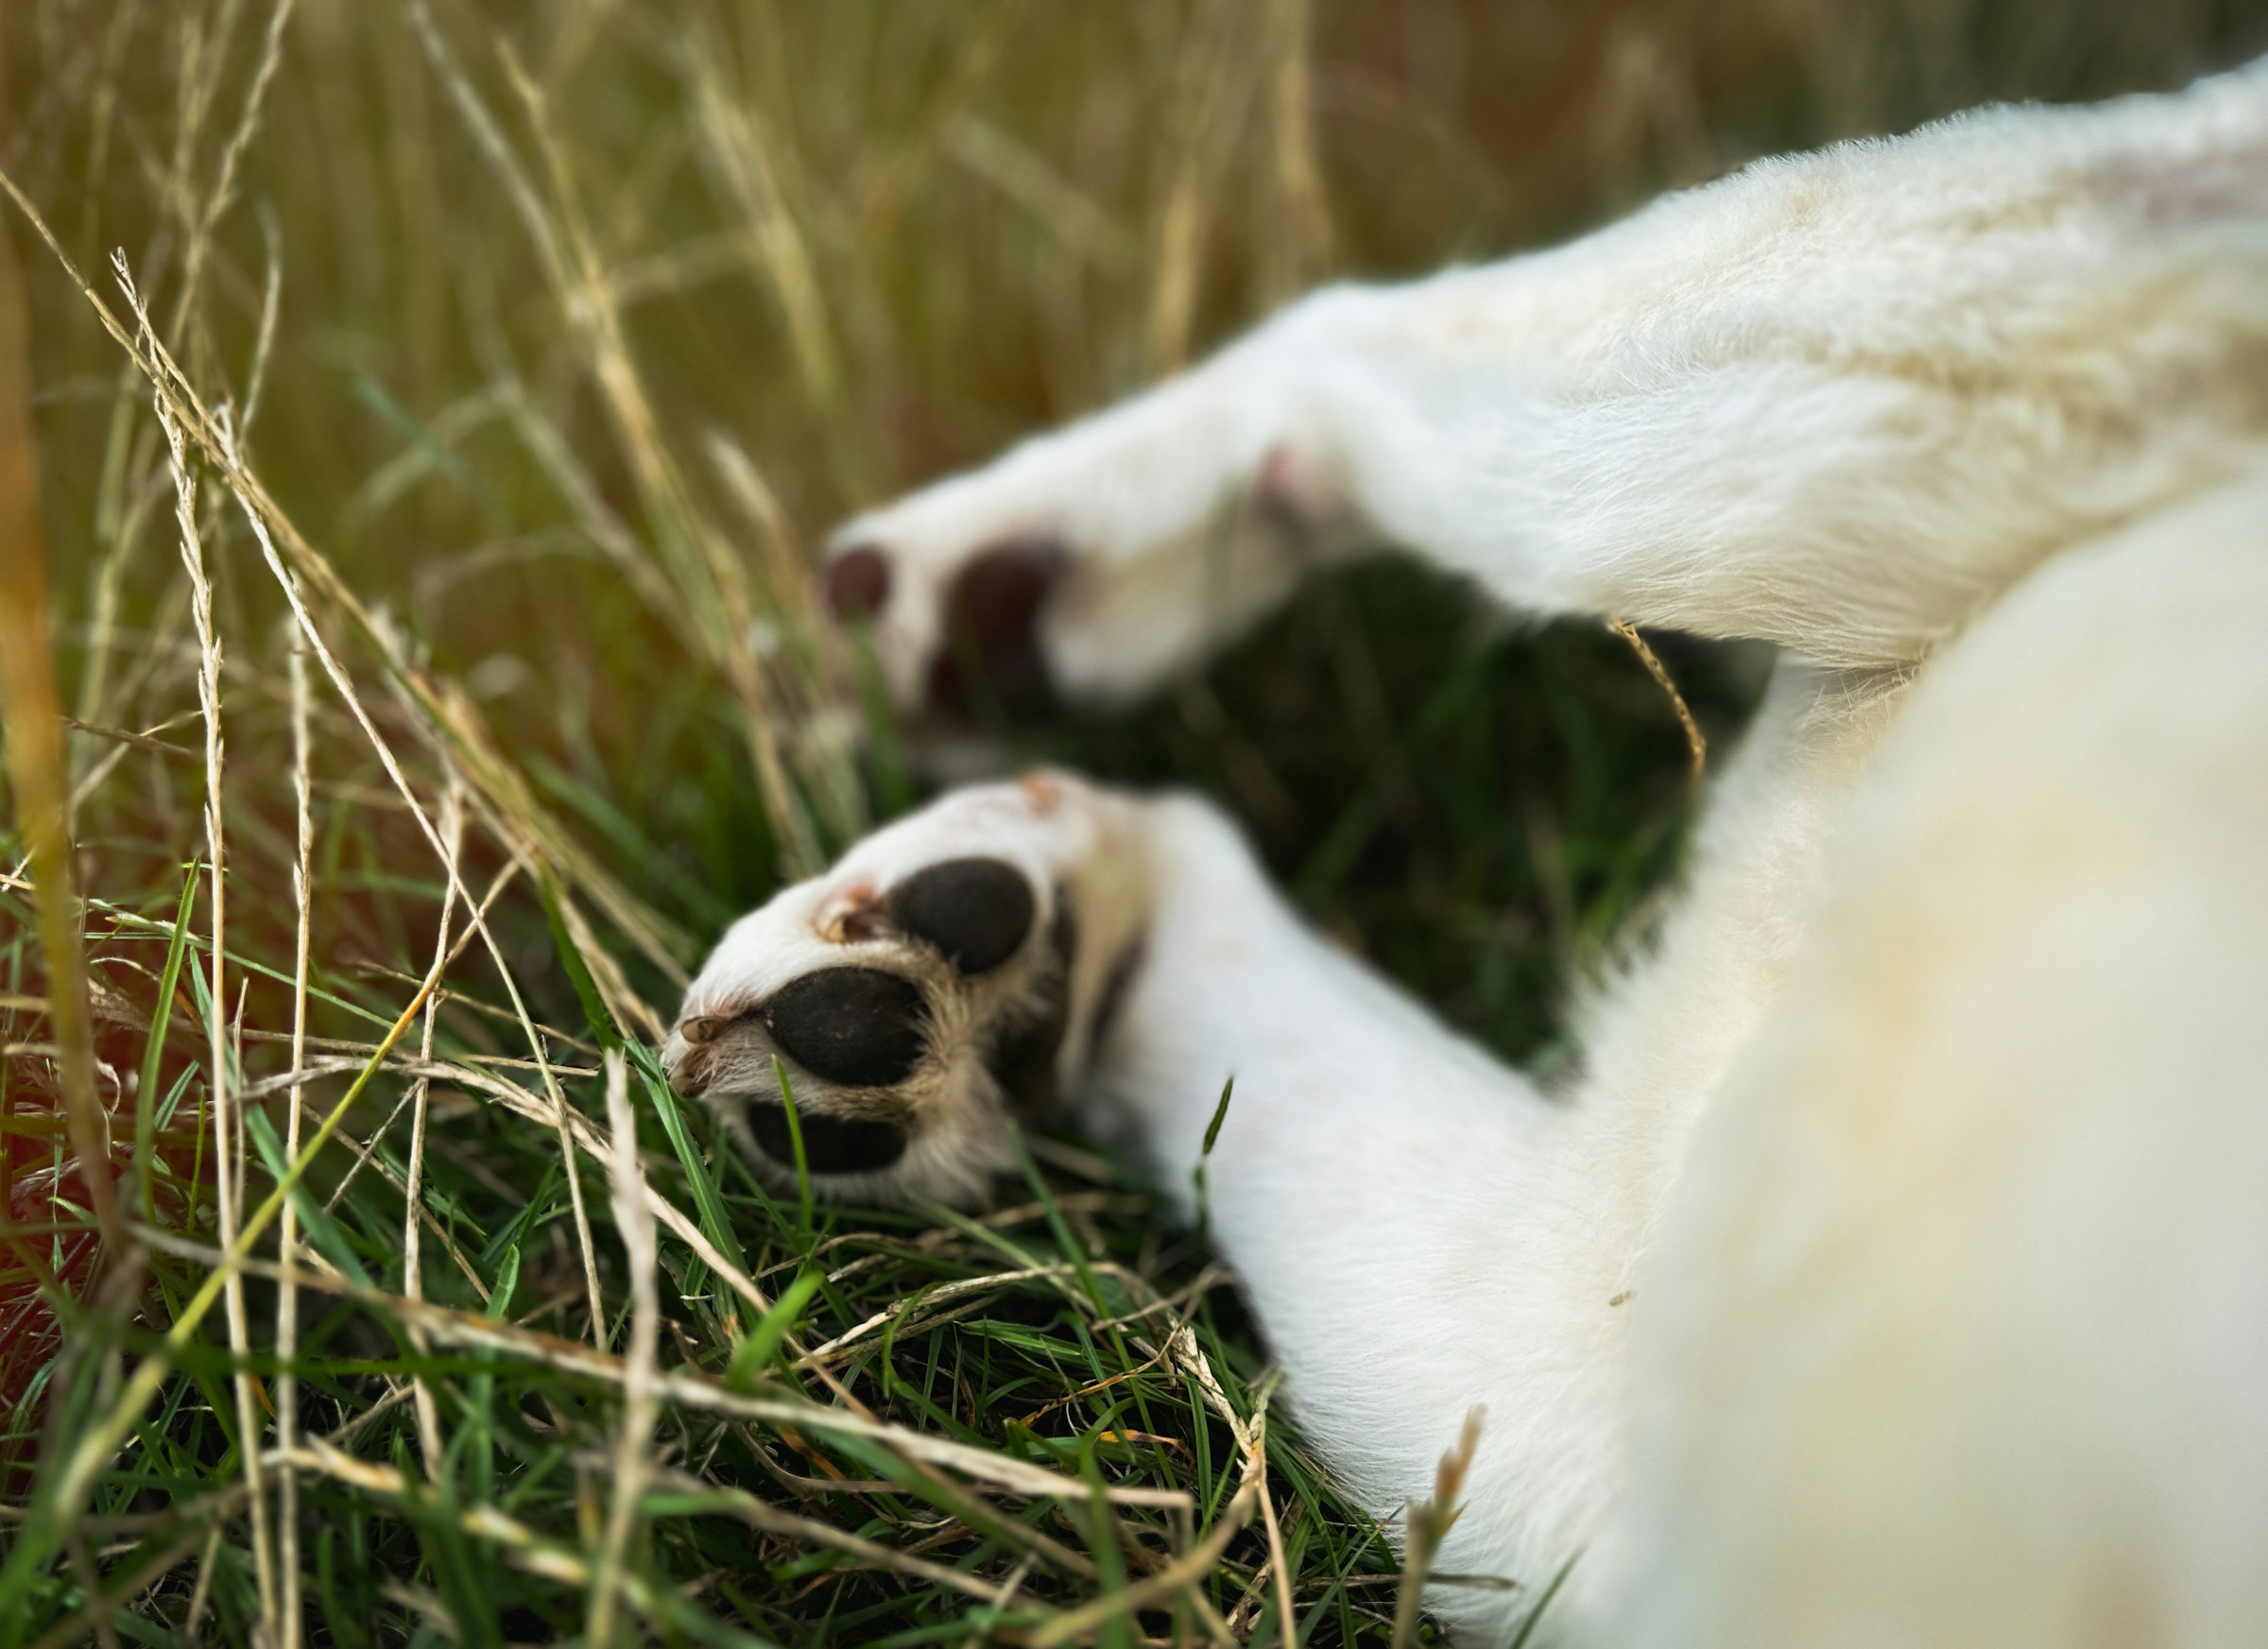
(1396, 1202)
(1837, 402)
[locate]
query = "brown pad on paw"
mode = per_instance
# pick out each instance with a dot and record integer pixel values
(992, 645)
(857, 583)
(859, 1026)
(975, 911)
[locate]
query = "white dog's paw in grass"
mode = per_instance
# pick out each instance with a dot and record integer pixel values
(945, 977)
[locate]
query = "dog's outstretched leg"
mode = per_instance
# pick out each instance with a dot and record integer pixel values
(1837, 402)
(1392, 1197)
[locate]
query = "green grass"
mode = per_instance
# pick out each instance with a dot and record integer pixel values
(551, 334)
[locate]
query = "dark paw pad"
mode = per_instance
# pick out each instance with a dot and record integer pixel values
(975, 911)
(858, 1026)
(992, 647)
(857, 582)
(831, 1144)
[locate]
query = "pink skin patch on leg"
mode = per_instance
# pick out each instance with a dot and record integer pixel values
(1295, 490)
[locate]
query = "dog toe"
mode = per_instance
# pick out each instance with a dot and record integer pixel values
(975, 911)
(861, 1027)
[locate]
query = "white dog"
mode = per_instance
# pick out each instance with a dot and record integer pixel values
(1895, 1272)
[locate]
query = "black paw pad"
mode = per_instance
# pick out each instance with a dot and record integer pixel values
(831, 1144)
(975, 911)
(858, 1026)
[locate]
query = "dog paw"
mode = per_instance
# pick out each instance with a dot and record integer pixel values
(946, 977)
(1092, 565)
(983, 650)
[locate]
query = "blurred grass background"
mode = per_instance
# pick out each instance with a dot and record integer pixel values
(544, 339)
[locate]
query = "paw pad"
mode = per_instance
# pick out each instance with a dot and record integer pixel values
(857, 583)
(831, 1144)
(991, 645)
(859, 1026)
(975, 911)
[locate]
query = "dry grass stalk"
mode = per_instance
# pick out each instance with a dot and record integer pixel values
(938, 1295)
(1286, 1621)
(193, 1623)
(413, 1188)
(287, 1234)
(525, 1549)
(1697, 745)
(590, 1140)
(1428, 1526)
(230, 1140)
(634, 1220)
(1179, 1578)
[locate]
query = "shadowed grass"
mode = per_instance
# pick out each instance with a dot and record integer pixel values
(517, 353)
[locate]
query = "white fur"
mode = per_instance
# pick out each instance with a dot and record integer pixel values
(1897, 1272)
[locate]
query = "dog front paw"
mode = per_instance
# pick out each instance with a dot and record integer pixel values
(1093, 565)
(943, 980)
